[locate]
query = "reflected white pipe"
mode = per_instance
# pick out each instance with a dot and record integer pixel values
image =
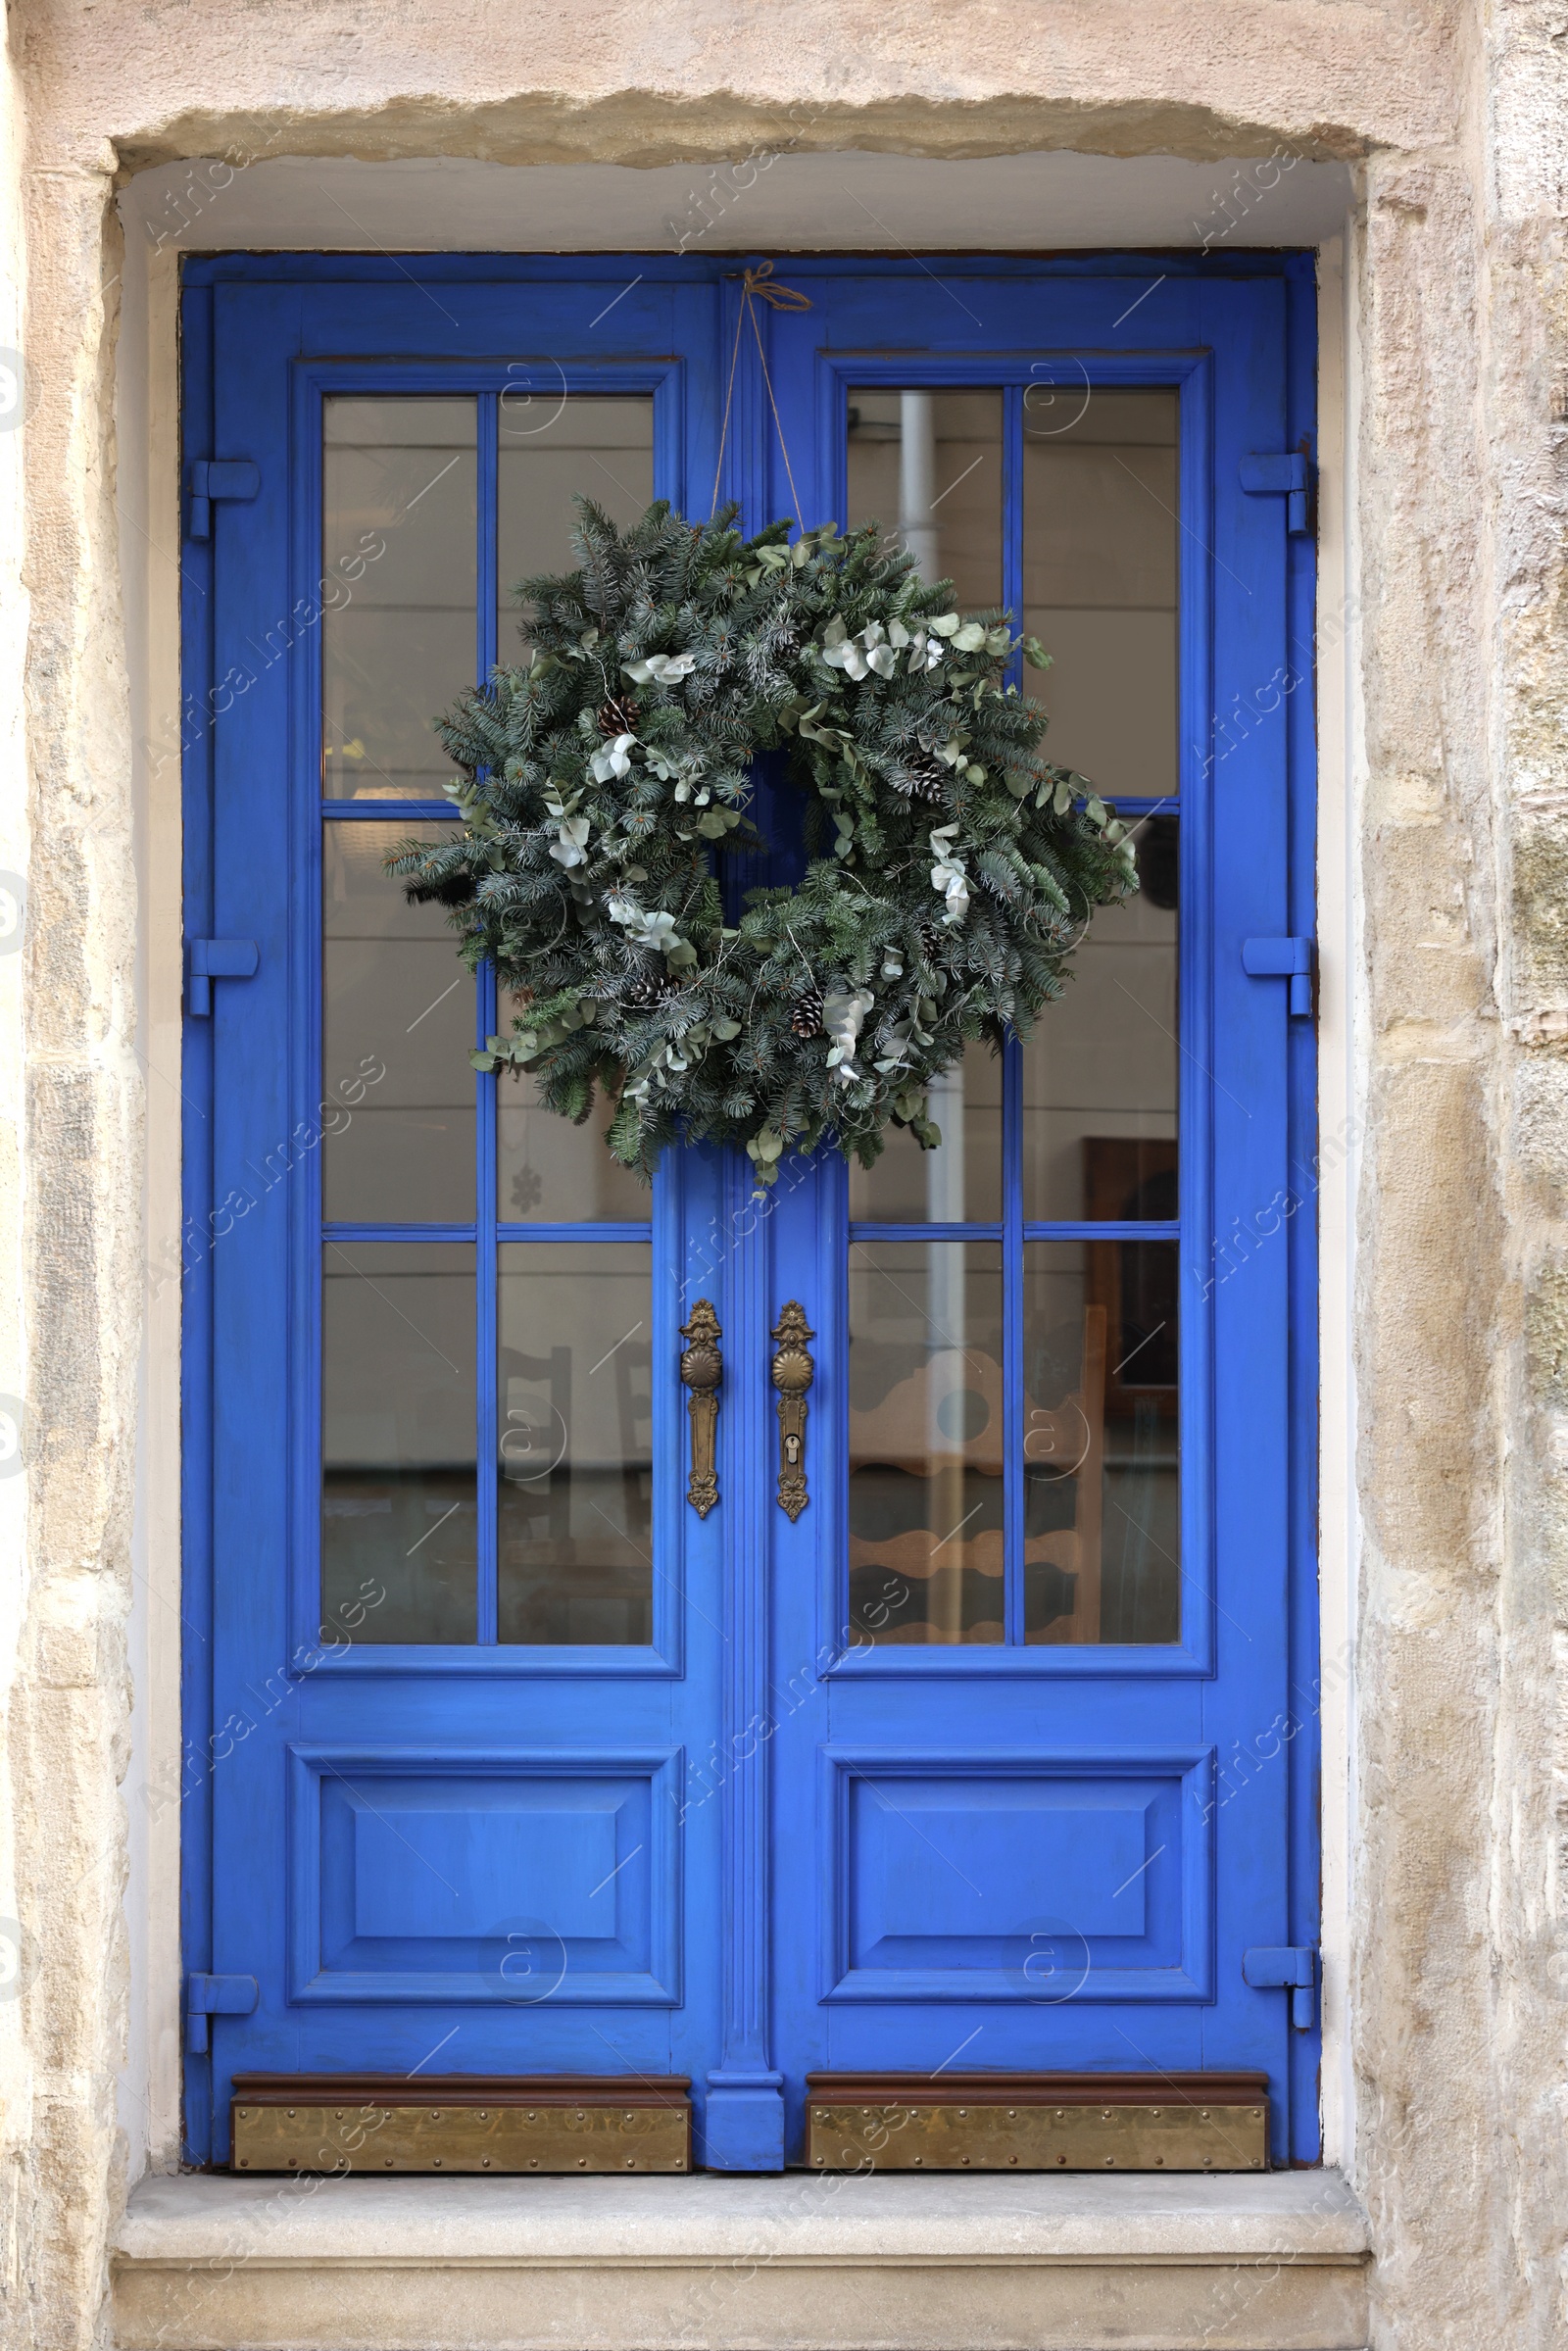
(917, 481)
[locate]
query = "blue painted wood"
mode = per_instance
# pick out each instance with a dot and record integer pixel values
(831, 1828)
(744, 2124)
(1304, 1700)
(193, 1792)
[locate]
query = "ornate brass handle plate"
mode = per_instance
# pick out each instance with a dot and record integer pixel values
(793, 1374)
(701, 1367)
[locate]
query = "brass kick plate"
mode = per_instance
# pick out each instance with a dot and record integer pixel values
(1037, 2122)
(346, 2122)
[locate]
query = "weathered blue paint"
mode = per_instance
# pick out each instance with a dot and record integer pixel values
(822, 1855)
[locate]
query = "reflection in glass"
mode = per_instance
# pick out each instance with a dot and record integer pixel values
(550, 445)
(927, 466)
(575, 1442)
(1102, 1494)
(398, 1485)
(549, 1171)
(398, 562)
(1100, 573)
(959, 1181)
(1100, 1074)
(926, 1441)
(397, 1025)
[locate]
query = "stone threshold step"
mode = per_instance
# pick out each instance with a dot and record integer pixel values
(794, 2263)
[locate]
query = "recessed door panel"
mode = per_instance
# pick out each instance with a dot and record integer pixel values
(1018, 1880)
(513, 1880)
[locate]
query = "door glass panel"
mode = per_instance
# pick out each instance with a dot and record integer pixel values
(574, 1443)
(398, 1460)
(1100, 1074)
(397, 1025)
(1099, 572)
(927, 466)
(960, 1182)
(926, 1441)
(549, 1171)
(1102, 1497)
(550, 445)
(400, 570)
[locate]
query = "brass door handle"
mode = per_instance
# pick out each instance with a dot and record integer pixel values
(793, 1374)
(701, 1367)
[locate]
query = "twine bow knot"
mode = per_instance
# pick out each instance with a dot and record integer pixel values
(759, 286)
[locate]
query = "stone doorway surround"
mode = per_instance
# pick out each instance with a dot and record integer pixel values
(1445, 1095)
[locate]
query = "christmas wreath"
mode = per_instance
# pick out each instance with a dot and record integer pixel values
(951, 870)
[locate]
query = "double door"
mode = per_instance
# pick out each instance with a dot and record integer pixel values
(501, 1757)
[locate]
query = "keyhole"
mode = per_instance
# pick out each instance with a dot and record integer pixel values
(792, 1450)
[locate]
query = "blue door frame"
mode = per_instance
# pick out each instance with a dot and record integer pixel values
(744, 1965)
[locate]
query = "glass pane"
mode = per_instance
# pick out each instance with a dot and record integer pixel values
(397, 1027)
(927, 466)
(1099, 533)
(550, 445)
(399, 561)
(926, 1441)
(548, 1171)
(1101, 1496)
(960, 1181)
(398, 1483)
(1100, 1074)
(576, 1438)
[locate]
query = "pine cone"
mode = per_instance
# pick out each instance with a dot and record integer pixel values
(807, 1017)
(618, 718)
(644, 989)
(923, 777)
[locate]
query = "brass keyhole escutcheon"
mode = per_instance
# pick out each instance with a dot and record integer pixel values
(793, 1374)
(701, 1367)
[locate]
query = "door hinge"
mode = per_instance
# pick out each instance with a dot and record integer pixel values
(1292, 1970)
(215, 1996)
(1284, 959)
(216, 960)
(233, 478)
(1293, 478)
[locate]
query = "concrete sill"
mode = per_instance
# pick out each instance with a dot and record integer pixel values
(795, 2263)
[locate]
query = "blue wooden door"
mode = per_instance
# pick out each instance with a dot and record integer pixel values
(499, 1758)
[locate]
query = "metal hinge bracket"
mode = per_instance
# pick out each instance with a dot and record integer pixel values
(1291, 477)
(1293, 1969)
(215, 1996)
(1284, 959)
(233, 478)
(215, 959)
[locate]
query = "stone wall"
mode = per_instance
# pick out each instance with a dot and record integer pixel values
(1461, 1322)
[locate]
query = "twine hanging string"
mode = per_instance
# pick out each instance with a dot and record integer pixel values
(756, 286)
